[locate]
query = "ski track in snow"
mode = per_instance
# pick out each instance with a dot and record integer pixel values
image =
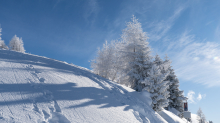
(55, 114)
(42, 90)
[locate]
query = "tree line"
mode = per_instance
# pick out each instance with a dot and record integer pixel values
(15, 44)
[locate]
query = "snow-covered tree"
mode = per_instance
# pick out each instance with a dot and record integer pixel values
(2, 43)
(156, 85)
(176, 98)
(105, 64)
(16, 44)
(135, 55)
(200, 116)
(160, 63)
(164, 84)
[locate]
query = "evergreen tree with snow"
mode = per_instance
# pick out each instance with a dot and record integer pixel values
(135, 55)
(159, 62)
(16, 44)
(200, 116)
(156, 85)
(2, 43)
(176, 98)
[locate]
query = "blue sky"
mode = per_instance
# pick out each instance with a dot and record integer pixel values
(71, 30)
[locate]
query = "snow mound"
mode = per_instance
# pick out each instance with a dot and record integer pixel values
(36, 89)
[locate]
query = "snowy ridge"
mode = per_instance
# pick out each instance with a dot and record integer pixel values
(35, 89)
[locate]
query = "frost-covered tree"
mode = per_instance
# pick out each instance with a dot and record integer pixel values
(135, 55)
(105, 63)
(160, 63)
(156, 85)
(200, 116)
(16, 44)
(2, 43)
(176, 98)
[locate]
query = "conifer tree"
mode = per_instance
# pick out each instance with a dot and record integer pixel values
(176, 98)
(16, 44)
(135, 54)
(156, 85)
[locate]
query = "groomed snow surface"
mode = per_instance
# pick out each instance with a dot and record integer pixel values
(35, 89)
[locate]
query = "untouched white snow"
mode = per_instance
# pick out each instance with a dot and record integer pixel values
(194, 118)
(174, 111)
(170, 117)
(36, 89)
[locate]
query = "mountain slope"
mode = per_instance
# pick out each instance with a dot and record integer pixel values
(36, 89)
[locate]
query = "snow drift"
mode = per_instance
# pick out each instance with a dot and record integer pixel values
(35, 89)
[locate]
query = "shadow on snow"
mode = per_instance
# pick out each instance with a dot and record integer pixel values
(68, 91)
(110, 95)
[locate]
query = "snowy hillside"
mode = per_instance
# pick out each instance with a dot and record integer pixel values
(36, 89)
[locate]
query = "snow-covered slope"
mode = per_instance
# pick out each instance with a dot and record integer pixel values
(171, 117)
(36, 89)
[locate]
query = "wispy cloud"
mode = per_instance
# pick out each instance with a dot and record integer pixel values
(217, 32)
(183, 40)
(196, 61)
(208, 23)
(57, 2)
(161, 28)
(193, 59)
(91, 11)
(191, 97)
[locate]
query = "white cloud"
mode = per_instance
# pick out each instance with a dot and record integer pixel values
(200, 96)
(191, 97)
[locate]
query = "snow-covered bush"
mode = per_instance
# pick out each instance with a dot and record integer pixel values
(16, 44)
